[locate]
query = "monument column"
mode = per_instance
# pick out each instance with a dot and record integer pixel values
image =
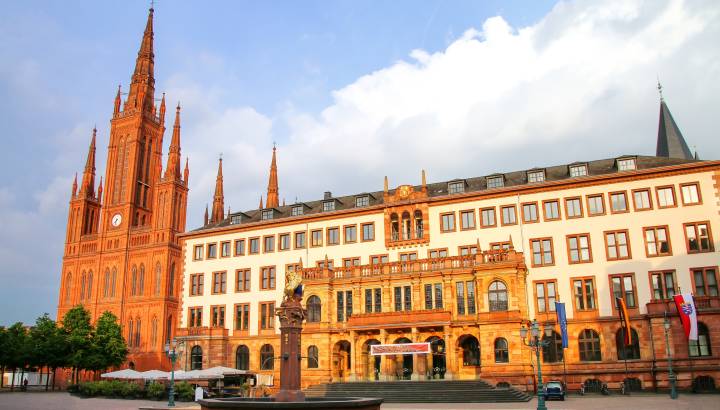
(291, 315)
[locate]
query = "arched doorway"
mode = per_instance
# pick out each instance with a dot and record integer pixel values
(341, 363)
(403, 363)
(371, 364)
(437, 347)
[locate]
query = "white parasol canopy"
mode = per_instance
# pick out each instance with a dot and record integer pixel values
(154, 375)
(217, 372)
(123, 374)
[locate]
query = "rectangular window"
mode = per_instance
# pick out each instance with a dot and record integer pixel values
(617, 245)
(705, 281)
(542, 252)
(242, 316)
(470, 286)
(408, 298)
(284, 241)
(641, 199)
(267, 315)
(487, 217)
(665, 196)
(509, 215)
(627, 164)
(350, 262)
(579, 248)
(578, 171)
(296, 210)
(198, 253)
(657, 241)
(551, 209)
(690, 194)
(447, 222)
(596, 205)
(698, 237)
(195, 316)
(536, 176)
(350, 233)
(397, 291)
(328, 206)
(467, 250)
(266, 215)
(333, 236)
(618, 202)
(438, 296)
(211, 251)
(467, 220)
(235, 219)
(225, 249)
(321, 264)
(269, 244)
(218, 316)
(495, 182)
(460, 297)
(378, 259)
(573, 208)
(456, 187)
(378, 300)
(362, 201)
(299, 240)
(545, 295)
(584, 290)
(496, 246)
(428, 296)
(267, 275)
(623, 286)
(196, 284)
(368, 232)
(316, 238)
(242, 280)
(254, 246)
(529, 211)
(368, 300)
(663, 284)
(437, 253)
(239, 247)
(219, 282)
(344, 305)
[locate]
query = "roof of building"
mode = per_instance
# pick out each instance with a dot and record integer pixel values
(670, 141)
(438, 189)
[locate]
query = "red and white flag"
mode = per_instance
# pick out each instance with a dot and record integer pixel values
(688, 315)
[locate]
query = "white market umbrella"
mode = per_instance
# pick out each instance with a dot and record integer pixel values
(123, 374)
(183, 375)
(154, 375)
(220, 371)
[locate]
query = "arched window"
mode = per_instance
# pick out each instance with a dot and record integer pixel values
(133, 284)
(171, 281)
(267, 353)
(196, 358)
(168, 329)
(406, 226)
(130, 334)
(137, 332)
(501, 350)
(153, 331)
(701, 347)
(553, 350)
(418, 225)
(106, 283)
(89, 285)
(470, 351)
(314, 309)
(82, 286)
(631, 351)
(141, 280)
(158, 279)
(312, 357)
(114, 279)
(68, 287)
(394, 227)
(498, 297)
(242, 358)
(589, 343)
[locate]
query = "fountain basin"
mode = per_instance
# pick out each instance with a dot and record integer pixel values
(357, 403)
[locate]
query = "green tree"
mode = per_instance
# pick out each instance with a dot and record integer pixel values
(49, 346)
(3, 355)
(107, 346)
(77, 328)
(16, 349)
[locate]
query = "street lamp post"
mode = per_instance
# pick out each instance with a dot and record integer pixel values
(537, 344)
(171, 350)
(671, 375)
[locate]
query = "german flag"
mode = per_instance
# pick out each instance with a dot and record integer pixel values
(624, 319)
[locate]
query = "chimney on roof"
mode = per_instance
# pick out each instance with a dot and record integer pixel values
(328, 195)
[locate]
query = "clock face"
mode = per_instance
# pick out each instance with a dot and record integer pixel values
(116, 220)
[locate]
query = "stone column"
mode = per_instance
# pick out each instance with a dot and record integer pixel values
(353, 356)
(385, 362)
(418, 360)
(451, 358)
(291, 315)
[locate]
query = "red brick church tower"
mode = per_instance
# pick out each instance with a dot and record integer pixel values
(121, 251)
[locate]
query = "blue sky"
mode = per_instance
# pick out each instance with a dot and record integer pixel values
(351, 91)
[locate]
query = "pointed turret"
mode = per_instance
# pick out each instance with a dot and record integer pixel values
(218, 209)
(272, 200)
(206, 215)
(670, 141)
(142, 86)
(100, 190)
(118, 100)
(162, 110)
(261, 203)
(88, 180)
(74, 186)
(186, 172)
(173, 165)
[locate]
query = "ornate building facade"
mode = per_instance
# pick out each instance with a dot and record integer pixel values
(122, 250)
(461, 264)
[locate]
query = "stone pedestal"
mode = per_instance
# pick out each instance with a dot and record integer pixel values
(291, 315)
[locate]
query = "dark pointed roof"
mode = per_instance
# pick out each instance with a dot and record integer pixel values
(670, 142)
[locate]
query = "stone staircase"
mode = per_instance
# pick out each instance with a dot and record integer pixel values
(431, 391)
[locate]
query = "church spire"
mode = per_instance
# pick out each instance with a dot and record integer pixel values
(206, 215)
(186, 172)
(100, 190)
(670, 141)
(88, 180)
(118, 100)
(173, 164)
(74, 186)
(142, 86)
(272, 200)
(218, 209)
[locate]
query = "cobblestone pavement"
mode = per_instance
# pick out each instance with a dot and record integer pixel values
(64, 401)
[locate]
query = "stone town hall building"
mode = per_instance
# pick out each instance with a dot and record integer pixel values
(459, 264)
(122, 251)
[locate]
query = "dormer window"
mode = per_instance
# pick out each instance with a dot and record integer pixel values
(536, 176)
(266, 214)
(578, 170)
(296, 210)
(495, 182)
(456, 187)
(626, 164)
(328, 206)
(235, 219)
(361, 201)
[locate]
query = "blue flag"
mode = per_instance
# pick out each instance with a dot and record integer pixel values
(562, 320)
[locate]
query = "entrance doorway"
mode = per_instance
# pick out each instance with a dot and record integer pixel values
(372, 363)
(404, 363)
(341, 360)
(437, 347)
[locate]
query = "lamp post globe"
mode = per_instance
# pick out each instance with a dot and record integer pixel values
(536, 344)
